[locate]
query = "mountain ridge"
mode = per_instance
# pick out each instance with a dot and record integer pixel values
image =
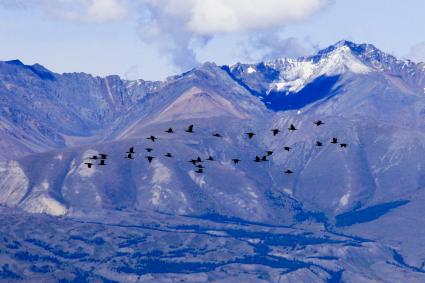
(339, 201)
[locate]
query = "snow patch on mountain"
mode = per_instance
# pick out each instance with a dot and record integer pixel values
(44, 204)
(198, 179)
(344, 199)
(251, 70)
(40, 201)
(161, 174)
(59, 157)
(13, 182)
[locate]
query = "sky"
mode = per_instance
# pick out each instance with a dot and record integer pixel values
(153, 39)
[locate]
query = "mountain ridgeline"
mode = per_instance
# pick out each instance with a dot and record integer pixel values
(51, 124)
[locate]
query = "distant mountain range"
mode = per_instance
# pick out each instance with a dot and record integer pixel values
(363, 204)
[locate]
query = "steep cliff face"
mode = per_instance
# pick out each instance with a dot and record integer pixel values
(42, 110)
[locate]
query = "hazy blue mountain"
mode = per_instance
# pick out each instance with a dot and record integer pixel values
(346, 214)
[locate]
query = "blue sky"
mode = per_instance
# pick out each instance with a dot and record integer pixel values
(152, 39)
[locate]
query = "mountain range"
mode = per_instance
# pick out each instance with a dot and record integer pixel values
(346, 214)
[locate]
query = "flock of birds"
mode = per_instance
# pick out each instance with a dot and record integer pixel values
(197, 162)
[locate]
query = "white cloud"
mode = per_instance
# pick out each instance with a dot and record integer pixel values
(181, 27)
(208, 17)
(212, 16)
(87, 10)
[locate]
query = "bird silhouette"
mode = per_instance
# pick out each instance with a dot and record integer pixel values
(318, 123)
(275, 131)
(236, 161)
(148, 149)
(257, 159)
(210, 158)
(343, 145)
(264, 158)
(152, 138)
(292, 128)
(250, 135)
(200, 166)
(103, 156)
(89, 165)
(288, 172)
(168, 155)
(129, 156)
(189, 129)
(94, 157)
(193, 161)
(198, 159)
(170, 131)
(149, 158)
(131, 150)
(334, 140)
(199, 171)
(287, 148)
(269, 152)
(217, 135)
(319, 143)
(102, 162)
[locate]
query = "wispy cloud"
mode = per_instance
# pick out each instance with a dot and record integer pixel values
(273, 45)
(75, 10)
(417, 52)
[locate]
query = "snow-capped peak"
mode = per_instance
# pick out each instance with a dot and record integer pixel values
(296, 73)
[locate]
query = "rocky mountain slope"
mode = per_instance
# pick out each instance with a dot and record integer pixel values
(50, 124)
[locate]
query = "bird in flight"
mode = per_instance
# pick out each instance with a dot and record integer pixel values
(334, 140)
(250, 135)
(131, 150)
(148, 149)
(287, 148)
(269, 152)
(343, 145)
(129, 156)
(200, 171)
(152, 138)
(257, 159)
(150, 158)
(200, 166)
(89, 165)
(198, 159)
(236, 161)
(318, 123)
(210, 158)
(168, 155)
(319, 143)
(102, 162)
(170, 131)
(288, 172)
(217, 135)
(93, 157)
(292, 128)
(103, 156)
(264, 158)
(189, 129)
(275, 131)
(193, 161)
